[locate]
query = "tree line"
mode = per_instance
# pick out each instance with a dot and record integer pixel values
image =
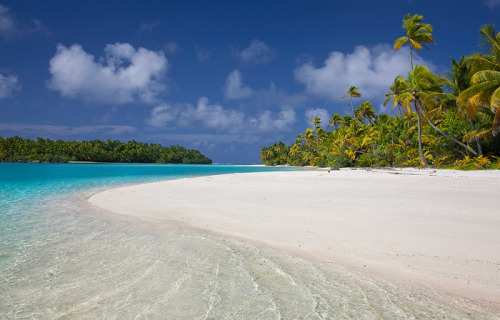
(16, 149)
(450, 120)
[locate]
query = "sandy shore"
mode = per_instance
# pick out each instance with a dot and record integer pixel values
(436, 229)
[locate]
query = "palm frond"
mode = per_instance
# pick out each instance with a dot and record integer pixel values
(489, 39)
(400, 42)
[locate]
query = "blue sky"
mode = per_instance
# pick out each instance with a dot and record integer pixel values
(224, 77)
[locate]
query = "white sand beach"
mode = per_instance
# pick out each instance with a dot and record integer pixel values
(435, 229)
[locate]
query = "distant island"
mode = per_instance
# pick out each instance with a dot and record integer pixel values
(444, 121)
(16, 149)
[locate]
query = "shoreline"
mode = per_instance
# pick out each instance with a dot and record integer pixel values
(434, 229)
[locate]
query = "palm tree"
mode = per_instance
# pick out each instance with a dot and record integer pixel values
(485, 83)
(460, 76)
(352, 92)
(366, 111)
(421, 87)
(417, 33)
(335, 120)
(346, 120)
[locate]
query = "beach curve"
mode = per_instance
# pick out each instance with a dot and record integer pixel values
(435, 228)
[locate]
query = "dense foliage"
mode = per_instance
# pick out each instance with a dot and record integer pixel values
(16, 149)
(441, 121)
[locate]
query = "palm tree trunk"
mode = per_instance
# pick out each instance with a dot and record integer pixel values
(420, 150)
(352, 107)
(447, 136)
(478, 144)
(411, 57)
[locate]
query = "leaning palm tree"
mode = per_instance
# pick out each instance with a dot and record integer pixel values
(417, 33)
(485, 83)
(422, 88)
(352, 92)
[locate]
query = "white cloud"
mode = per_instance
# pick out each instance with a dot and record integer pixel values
(204, 114)
(267, 121)
(123, 75)
(371, 70)
(234, 88)
(323, 114)
(162, 115)
(210, 116)
(258, 52)
(216, 117)
(492, 3)
(8, 26)
(8, 84)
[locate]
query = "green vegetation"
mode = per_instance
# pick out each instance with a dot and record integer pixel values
(16, 149)
(445, 122)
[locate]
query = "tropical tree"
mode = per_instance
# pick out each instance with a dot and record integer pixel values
(423, 88)
(417, 33)
(485, 83)
(353, 92)
(335, 120)
(460, 77)
(366, 111)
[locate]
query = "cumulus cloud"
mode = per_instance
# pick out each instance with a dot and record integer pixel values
(267, 121)
(234, 88)
(8, 84)
(492, 3)
(258, 52)
(162, 115)
(124, 75)
(323, 114)
(210, 116)
(371, 70)
(216, 117)
(204, 114)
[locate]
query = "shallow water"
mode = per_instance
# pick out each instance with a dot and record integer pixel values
(64, 259)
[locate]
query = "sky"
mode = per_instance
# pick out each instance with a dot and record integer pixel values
(224, 77)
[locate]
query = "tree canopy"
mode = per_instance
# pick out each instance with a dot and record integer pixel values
(16, 149)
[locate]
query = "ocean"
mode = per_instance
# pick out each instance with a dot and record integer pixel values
(61, 258)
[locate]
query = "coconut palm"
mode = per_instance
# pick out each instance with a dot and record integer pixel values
(352, 92)
(366, 111)
(417, 33)
(347, 120)
(394, 95)
(485, 83)
(460, 77)
(422, 88)
(335, 120)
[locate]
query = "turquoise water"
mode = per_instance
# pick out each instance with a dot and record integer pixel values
(61, 258)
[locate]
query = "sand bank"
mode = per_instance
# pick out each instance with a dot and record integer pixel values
(436, 229)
